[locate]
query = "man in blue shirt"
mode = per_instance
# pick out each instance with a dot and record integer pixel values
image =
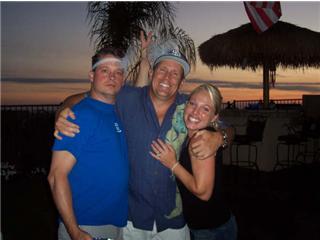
(89, 172)
(147, 113)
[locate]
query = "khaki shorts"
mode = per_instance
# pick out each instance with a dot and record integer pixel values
(132, 233)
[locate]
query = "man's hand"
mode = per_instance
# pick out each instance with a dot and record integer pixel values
(205, 143)
(81, 235)
(64, 126)
(145, 42)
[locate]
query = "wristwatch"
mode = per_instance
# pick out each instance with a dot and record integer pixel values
(225, 138)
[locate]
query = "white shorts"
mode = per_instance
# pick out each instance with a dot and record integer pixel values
(132, 233)
(98, 232)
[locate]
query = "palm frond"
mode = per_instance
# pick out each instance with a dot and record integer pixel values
(118, 24)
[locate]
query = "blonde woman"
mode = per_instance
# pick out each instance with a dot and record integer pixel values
(205, 212)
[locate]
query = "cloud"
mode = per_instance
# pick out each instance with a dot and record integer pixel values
(287, 86)
(43, 80)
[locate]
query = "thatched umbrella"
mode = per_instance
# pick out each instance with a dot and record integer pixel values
(283, 44)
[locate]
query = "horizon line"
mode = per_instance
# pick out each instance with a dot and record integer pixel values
(289, 86)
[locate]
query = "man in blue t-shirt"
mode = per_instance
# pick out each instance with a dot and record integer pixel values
(89, 172)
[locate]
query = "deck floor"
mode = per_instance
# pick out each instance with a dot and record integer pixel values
(280, 205)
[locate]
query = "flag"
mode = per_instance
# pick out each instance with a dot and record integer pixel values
(263, 14)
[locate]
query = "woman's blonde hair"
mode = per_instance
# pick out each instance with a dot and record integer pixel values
(214, 93)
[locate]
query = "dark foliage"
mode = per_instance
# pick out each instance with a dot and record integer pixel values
(118, 24)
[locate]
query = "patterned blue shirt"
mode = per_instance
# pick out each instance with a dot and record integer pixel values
(152, 190)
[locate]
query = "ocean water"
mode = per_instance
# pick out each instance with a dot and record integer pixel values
(54, 91)
(40, 91)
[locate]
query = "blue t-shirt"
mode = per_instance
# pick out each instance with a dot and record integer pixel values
(99, 179)
(152, 190)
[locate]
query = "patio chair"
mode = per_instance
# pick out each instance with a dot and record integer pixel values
(254, 134)
(294, 145)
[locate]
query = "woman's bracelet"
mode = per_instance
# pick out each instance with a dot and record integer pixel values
(173, 167)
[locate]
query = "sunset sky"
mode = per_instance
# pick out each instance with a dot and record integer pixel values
(50, 40)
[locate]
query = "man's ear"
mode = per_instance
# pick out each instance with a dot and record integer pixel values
(150, 73)
(91, 75)
(182, 81)
(124, 81)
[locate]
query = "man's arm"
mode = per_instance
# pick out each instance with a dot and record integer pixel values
(143, 79)
(70, 102)
(61, 165)
(207, 143)
(61, 123)
(230, 135)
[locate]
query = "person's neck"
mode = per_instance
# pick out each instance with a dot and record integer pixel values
(161, 106)
(162, 103)
(103, 98)
(194, 131)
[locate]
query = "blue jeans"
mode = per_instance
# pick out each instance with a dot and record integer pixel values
(227, 231)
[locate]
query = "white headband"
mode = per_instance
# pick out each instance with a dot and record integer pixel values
(105, 60)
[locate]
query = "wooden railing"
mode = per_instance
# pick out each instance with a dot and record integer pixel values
(256, 104)
(50, 108)
(27, 136)
(239, 104)
(27, 132)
